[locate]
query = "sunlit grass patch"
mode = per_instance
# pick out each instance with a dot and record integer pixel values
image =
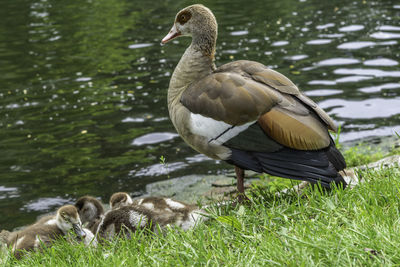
(340, 227)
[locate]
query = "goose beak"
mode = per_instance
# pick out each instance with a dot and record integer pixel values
(173, 33)
(78, 230)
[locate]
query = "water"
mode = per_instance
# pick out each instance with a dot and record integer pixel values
(83, 86)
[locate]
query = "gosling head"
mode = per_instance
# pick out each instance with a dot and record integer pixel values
(197, 21)
(67, 218)
(89, 209)
(120, 199)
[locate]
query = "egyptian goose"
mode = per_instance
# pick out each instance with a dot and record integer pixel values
(192, 214)
(159, 204)
(245, 113)
(149, 212)
(46, 230)
(120, 199)
(90, 211)
(126, 219)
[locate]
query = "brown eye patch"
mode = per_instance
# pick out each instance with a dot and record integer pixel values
(183, 17)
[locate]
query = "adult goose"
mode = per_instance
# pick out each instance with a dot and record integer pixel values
(245, 113)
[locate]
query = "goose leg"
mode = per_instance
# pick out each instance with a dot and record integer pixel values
(240, 184)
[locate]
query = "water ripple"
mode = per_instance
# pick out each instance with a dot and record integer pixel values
(296, 57)
(323, 92)
(239, 33)
(159, 169)
(365, 109)
(319, 42)
(359, 134)
(352, 79)
(351, 28)
(338, 61)
(46, 203)
(370, 72)
(8, 192)
(130, 119)
(321, 82)
(325, 26)
(136, 46)
(388, 28)
(153, 138)
(331, 35)
(385, 35)
(378, 88)
(280, 43)
(356, 45)
(380, 62)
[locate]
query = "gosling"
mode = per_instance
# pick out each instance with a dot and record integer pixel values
(192, 215)
(120, 199)
(126, 219)
(152, 212)
(90, 211)
(46, 231)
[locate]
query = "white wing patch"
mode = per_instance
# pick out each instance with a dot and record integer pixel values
(174, 205)
(217, 132)
(90, 239)
(37, 241)
(18, 243)
(149, 206)
(51, 222)
(136, 219)
(194, 219)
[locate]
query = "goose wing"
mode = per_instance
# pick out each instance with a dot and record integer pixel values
(260, 109)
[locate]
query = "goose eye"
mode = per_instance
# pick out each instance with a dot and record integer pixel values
(184, 17)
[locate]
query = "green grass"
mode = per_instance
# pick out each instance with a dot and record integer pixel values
(357, 227)
(360, 155)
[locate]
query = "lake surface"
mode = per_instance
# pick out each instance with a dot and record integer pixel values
(83, 86)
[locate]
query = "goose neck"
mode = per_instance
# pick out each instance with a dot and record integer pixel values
(193, 66)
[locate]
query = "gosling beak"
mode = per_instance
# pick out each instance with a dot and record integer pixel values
(78, 230)
(173, 33)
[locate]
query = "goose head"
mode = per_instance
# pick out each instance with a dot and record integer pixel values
(198, 22)
(89, 209)
(67, 219)
(120, 199)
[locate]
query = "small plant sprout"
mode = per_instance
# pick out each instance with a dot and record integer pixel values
(163, 162)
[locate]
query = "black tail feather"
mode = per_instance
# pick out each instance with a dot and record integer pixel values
(335, 157)
(314, 166)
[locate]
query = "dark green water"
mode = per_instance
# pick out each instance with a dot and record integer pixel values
(83, 86)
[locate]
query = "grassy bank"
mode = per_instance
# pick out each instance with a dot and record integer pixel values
(342, 227)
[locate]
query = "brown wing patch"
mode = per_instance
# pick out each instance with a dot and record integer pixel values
(241, 91)
(272, 78)
(229, 97)
(295, 131)
(321, 113)
(260, 73)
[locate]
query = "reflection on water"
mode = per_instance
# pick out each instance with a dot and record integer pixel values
(83, 86)
(347, 109)
(47, 203)
(153, 138)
